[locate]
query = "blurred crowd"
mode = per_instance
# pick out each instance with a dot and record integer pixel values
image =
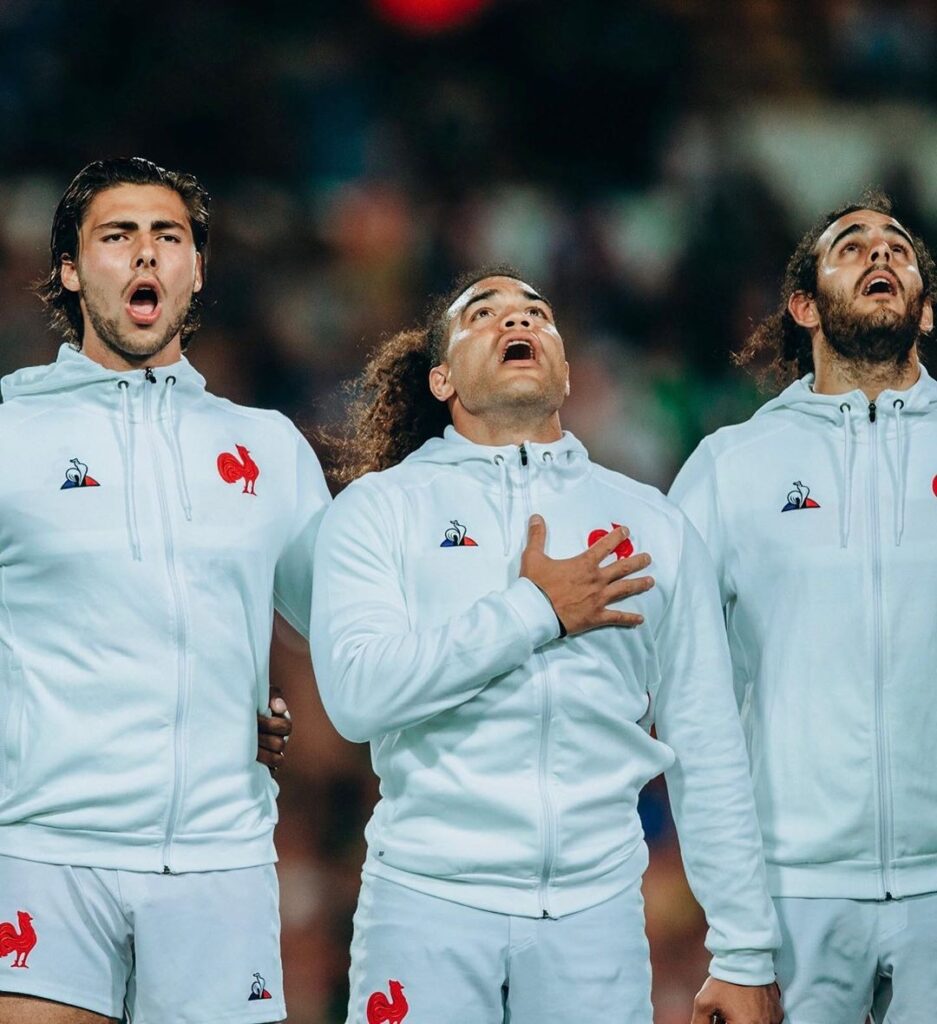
(648, 165)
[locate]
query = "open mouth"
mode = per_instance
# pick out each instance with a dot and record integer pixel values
(880, 284)
(143, 305)
(517, 350)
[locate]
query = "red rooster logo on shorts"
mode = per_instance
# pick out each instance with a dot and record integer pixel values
(231, 468)
(382, 1010)
(19, 942)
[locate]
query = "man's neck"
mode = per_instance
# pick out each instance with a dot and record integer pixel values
(836, 375)
(497, 432)
(104, 355)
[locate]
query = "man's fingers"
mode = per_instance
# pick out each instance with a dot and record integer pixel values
(275, 743)
(602, 548)
(627, 619)
(626, 566)
(274, 726)
(271, 759)
(630, 587)
(536, 534)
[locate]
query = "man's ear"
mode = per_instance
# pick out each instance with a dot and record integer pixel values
(440, 383)
(803, 308)
(567, 378)
(927, 317)
(69, 274)
(199, 273)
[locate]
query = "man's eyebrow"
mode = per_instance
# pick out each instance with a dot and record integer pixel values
(132, 225)
(487, 294)
(858, 228)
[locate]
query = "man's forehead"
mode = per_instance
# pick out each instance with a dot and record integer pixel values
(496, 284)
(864, 218)
(136, 202)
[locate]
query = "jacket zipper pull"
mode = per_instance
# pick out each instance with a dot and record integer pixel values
(871, 412)
(149, 375)
(523, 456)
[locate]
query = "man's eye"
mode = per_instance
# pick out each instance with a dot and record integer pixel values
(113, 238)
(900, 248)
(170, 238)
(536, 311)
(480, 313)
(850, 247)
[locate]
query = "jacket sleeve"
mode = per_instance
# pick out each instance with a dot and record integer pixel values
(378, 671)
(709, 783)
(694, 490)
(292, 582)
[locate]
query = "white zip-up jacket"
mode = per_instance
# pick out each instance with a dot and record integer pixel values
(510, 760)
(141, 557)
(821, 515)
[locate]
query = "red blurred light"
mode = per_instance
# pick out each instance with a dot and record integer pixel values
(429, 16)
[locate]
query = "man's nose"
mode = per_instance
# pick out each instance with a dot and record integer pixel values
(880, 250)
(515, 319)
(145, 255)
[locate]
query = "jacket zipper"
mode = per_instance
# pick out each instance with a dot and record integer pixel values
(181, 638)
(546, 713)
(884, 786)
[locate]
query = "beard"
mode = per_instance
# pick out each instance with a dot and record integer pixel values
(880, 337)
(133, 346)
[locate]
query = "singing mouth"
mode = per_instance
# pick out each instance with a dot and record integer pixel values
(144, 303)
(880, 284)
(517, 349)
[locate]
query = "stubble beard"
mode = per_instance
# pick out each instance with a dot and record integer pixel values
(521, 406)
(880, 339)
(139, 346)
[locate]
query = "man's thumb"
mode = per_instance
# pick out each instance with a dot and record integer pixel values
(536, 534)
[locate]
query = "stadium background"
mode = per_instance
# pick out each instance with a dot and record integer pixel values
(649, 165)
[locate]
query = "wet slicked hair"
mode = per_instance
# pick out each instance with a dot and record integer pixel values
(64, 306)
(779, 349)
(392, 410)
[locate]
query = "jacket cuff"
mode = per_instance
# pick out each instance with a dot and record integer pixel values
(750, 967)
(533, 608)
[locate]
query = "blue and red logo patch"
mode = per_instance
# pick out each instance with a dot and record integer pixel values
(77, 476)
(799, 498)
(456, 537)
(259, 988)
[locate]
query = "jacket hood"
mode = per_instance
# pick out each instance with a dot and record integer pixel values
(455, 449)
(72, 369)
(801, 397)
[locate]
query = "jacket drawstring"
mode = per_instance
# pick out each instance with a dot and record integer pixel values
(845, 511)
(505, 526)
(130, 502)
(902, 472)
(178, 464)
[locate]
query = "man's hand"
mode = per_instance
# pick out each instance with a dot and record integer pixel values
(579, 588)
(721, 1002)
(273, 731)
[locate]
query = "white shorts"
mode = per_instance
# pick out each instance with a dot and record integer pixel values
(437, 962)
(188, 949)
(843, 959)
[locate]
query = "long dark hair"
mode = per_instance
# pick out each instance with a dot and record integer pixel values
(392, 410)
(779, 349)
(65, 306)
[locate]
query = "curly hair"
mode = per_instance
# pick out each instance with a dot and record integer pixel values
(778, 338)
(65, 306)
(392, 410)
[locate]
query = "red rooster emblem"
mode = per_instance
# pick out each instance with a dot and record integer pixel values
(382, 1010)
(19, 942)
(232, 469)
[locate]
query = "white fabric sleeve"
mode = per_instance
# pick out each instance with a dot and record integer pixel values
(709, 783)
(377, 672)
(292, 580)
(694, 490)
